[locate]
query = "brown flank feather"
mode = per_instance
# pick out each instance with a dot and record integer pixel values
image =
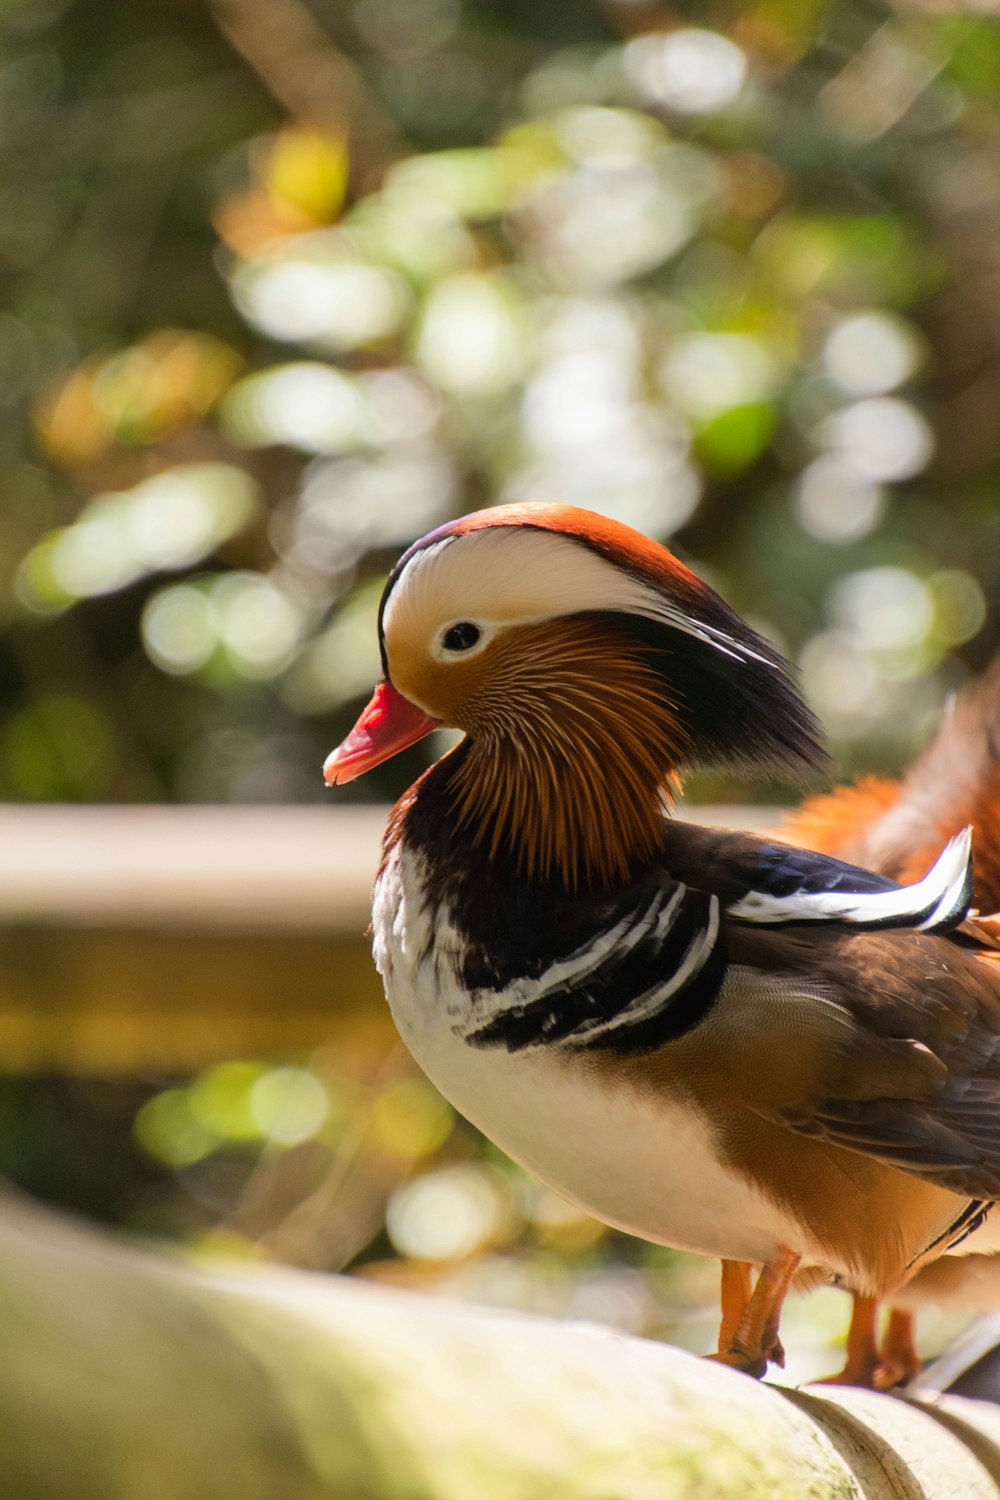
(573, 754)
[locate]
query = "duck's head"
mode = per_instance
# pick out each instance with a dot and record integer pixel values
(588, 668)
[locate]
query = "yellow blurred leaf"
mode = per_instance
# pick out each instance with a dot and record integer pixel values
(139, 394)
(308, 171)
(69, 421)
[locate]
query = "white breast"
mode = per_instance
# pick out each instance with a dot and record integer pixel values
(642, 1164)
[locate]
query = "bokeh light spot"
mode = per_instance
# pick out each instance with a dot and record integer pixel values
(841, 682)
(706, 373)
(289, 1105)
(871, 353)
(837, 504)
(166, 1128)
(258, 623)
(959, 603)
(410, 1119)
(167, 522)
(179, 629)
(219, 1101)
(471, 339)
(882, 609)
(325, 300)
(691, 71)
(609, 220)
(446, 1215)
(305, 405)
(883, 438)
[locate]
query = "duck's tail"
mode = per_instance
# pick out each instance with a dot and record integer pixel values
(899, 827)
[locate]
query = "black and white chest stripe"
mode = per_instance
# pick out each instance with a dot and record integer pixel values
(649, 977)
(654, 974)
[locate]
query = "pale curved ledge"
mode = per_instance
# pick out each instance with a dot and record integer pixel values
(280, 868)
(131, 1375)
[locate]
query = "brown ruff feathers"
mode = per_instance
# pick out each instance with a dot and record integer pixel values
(573, 754)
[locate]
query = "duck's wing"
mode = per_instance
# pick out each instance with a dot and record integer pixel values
(898, 1045)
(884, 1029)
(764, 882)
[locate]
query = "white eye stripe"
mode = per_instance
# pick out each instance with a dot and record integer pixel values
(508, 575)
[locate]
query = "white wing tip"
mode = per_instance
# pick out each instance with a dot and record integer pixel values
(937, 902)
(952, 874)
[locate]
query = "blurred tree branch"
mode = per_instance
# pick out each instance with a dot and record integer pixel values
(297, 61)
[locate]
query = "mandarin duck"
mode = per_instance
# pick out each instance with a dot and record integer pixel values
(710, 1040)
(898, 828)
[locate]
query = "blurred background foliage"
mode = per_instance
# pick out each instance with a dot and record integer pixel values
(287, 284)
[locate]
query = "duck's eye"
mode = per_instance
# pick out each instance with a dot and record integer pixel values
(461, 637)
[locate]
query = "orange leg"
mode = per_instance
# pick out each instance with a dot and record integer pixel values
(862, 1363)
(755, 1341)
(737, 1287)
(873, 1365)
(899, 1361)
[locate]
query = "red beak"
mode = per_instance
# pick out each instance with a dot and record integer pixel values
(389, 724)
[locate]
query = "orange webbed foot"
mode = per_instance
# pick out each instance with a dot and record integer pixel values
(871, 1365)
(742, 1360)
(750, 1341)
